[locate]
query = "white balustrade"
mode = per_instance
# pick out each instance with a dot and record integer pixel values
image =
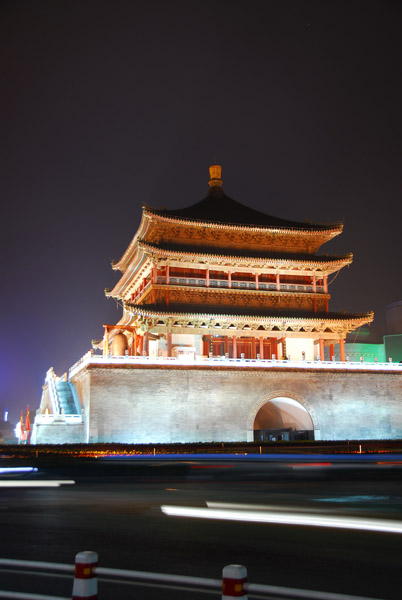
(97, 359)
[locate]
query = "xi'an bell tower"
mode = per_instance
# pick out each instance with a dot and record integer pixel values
(221, 279)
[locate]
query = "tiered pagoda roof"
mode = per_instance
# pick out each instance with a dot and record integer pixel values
(166, 270)
(220, 209)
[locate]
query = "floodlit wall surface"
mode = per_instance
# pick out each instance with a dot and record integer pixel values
(59, 433)
(295, 348)
(186, 404)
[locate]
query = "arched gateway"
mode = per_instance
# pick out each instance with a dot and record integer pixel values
(282, 416)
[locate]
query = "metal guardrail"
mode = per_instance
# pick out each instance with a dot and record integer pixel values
(183, 582)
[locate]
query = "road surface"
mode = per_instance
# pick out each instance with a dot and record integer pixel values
(114, 508)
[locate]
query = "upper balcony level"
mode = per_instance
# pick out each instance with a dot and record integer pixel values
(245, 285)
(227, 283)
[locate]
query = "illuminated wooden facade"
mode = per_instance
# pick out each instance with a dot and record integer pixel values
(218, 278)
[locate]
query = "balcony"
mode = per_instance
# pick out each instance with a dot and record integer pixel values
(242, 285)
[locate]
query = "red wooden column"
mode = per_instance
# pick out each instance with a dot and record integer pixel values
(278, 282)
(169, 343)
(342, 350)
(325, 284)
(205, 345)
(207, 277)
(253, 348)
(141, 344)
(229, 279)
(134, 344)
(146, 344)
(322, 354)
(167, 279)
(314, 284)
(331, 351)
(261, 347)
(256, 281)
(154, 281)
(234, 339)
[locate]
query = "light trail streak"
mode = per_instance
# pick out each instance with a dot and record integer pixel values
(9, 470)
(284, 518)
(32, 483)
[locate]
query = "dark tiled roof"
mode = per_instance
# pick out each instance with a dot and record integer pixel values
(186, 309)
(219, 208)
(241, 253)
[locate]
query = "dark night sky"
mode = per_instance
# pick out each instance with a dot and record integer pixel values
(106, 105)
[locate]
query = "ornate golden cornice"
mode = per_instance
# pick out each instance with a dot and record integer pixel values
(335, 229)
(248, 322)
(158, 252)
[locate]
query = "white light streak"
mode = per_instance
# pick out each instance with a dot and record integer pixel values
(17, 470)
(285, 518)
(34, 483)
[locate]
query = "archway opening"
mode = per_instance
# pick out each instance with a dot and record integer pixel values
(283, 419)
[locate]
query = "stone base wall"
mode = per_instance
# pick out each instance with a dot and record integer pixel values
(59, 433)
(162, 404)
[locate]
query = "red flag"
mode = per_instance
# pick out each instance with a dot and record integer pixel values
(28, 426)
(28, 420)
(22, 431)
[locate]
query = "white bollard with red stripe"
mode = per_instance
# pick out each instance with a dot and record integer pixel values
(85, 581)
(233, 579)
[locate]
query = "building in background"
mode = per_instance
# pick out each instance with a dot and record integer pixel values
(224, 336)
(393, 317)
(367, 344)
(393, 339)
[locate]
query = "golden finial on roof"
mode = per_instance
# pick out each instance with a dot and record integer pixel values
(215, 172)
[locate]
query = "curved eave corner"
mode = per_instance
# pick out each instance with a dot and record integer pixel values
(124, 261)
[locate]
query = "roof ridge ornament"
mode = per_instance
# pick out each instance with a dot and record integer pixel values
(215, 173)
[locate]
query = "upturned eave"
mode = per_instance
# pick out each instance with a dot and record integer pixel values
(333, 263)
(320, 322)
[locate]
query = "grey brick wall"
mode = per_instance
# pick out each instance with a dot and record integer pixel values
(60, 433)
(173, 404)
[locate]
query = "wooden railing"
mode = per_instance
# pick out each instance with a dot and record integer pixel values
(236, 284)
